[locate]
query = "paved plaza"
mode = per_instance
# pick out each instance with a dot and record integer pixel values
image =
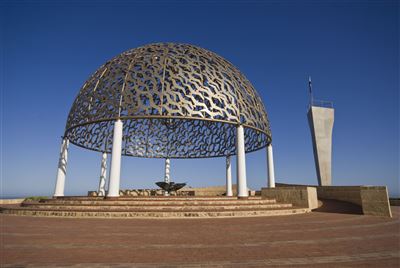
(309, 240)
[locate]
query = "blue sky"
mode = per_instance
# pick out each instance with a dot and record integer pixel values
(350, 48)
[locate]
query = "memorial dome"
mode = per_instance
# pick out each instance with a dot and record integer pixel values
(175, 101)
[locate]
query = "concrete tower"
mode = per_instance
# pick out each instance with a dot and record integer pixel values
(320, 118)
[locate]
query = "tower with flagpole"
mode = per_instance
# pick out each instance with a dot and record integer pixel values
(320, 119)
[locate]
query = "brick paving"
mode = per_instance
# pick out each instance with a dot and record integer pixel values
(307, 240)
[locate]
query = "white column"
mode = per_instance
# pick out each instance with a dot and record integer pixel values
(166, 177)
(62, 168)
(228, 176)
(241, 163)
(271, 171)
(115, 170)
(103, 175)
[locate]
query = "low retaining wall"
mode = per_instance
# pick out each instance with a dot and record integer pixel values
(11, 201)
(210, 191)
(145, 192)
(185, 191)
(299, 196)
(374, 200)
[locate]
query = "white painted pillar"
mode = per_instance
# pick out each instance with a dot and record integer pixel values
(166, 177)
(115, 170)
(271, 170)
(103, 175)
(228, 176)
(241, 163)
(62, 168)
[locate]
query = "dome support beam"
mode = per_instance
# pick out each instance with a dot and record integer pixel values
(242, 191)
(103, 175)
(62, 168)
(270, 164)
(228, 176)
(115, 171)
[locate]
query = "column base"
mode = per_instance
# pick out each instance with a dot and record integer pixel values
(243, 197)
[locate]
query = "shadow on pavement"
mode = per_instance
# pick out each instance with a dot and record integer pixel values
(335, 206)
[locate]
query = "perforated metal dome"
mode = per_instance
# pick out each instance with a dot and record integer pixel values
(175, 101)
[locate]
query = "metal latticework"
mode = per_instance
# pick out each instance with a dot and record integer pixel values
(175, 100)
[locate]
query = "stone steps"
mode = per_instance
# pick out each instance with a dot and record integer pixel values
(155, 214)
(151, 203)
(172, 207)
(156, 198)
(154, 207)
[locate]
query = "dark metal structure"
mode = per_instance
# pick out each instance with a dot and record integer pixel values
(170, 186)
(175, 101)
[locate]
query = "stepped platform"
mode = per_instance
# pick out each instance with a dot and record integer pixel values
(153, 207)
